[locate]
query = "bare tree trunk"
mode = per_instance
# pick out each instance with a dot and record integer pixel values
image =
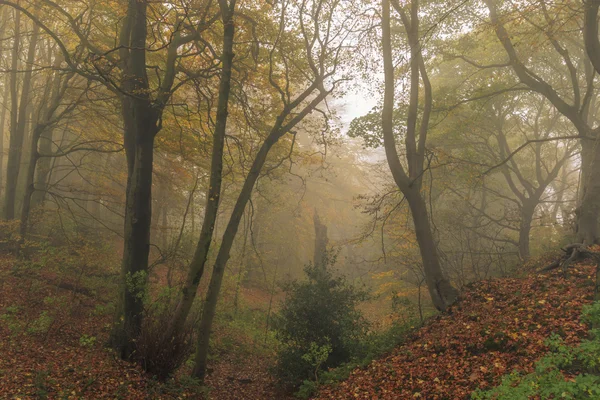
(321, 241)
(43, 170)
(5, 12)
(216, 280)
(9, 211)
(527, 212)
(196, 267)
(589, 209)
(17, 135)
(443, 294)
(29, 188)
(165, 223)
(51, 101)
(141, 126)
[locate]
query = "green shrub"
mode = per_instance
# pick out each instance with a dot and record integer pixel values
(373, 346)
(319, 313)
(548, 380)
(42, 324)
(87, 341)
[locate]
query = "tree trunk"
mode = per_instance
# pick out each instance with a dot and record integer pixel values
(134, 269)
(589, 209)
(216, 279)
(5, 12)
(9, 211)
(164, 234)
(321, 241)
(29, 187)
(141, 124)
(527, 212)
(443, 294)
(17, 134)
(43, 169)
(197, 265)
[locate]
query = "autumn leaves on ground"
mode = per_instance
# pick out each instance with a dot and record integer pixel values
(53, 329)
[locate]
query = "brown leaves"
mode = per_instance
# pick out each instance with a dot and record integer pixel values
(498, 326)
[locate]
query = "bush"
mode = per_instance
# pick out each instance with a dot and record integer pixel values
(318, 325)
(158, 355)
(373, 346)
(552, 375)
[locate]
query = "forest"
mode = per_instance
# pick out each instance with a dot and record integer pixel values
(316, 199)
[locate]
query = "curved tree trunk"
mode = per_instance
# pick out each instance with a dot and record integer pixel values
(443, 294)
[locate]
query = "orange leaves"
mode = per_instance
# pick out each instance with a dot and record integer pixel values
(499, 325)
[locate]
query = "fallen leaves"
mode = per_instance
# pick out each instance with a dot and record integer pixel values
(499, 325)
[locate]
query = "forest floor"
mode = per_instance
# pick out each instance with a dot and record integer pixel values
(53, 332)
(54, 326)
(499, 326)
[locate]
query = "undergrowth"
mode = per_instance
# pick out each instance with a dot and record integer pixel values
(566, 372)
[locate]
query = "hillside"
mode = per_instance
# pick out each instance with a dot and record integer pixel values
(498, 326)
(53, 330)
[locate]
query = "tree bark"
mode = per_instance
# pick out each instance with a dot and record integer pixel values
(4, 17)
(588, 212)
(141, 123)
(43, 168)
(14, 117)
(17, 135)
(321, 241)
(216, 280)
(442, 293)
(34, 156)
(279, 129)
(213, 194)
(527, 212)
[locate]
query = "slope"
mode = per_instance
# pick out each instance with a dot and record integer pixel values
(498, 326)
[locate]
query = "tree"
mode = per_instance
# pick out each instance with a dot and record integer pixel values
(213, 194)
(573, 104)
(522, 178)
(320, 311)
(18, 118)
(321, 49)
(443, 294)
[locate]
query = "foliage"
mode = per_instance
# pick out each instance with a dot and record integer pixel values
(87, 341)
(368, 127)
(318, 316)
(42, 324)
(158, 355)
(374, 345)
(317, 356)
